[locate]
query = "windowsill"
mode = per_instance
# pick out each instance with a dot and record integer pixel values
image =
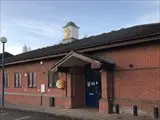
(32, 87)
(53, 88)
(17, 87)
(6, 87)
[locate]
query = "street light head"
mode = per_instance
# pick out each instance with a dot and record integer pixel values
(3, 39)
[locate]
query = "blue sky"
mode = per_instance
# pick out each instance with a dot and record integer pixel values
(39, 23)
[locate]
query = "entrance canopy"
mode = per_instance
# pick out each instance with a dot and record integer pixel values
(74, 59)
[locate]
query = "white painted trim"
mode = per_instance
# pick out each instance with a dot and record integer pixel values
(4, 114)
(22, 118)
(25, 94)
(28, 94)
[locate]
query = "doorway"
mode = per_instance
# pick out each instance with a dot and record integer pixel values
(93, 87)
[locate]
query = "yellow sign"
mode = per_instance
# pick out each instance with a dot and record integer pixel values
(60, 84)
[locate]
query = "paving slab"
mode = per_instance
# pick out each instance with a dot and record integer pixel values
(72, 114)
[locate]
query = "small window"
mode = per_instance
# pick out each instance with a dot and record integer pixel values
(6, 80)
(31, 79)
(52, 79)
(17, 80)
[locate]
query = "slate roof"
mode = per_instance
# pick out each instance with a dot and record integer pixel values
(105, 38)
(6, 55)
(71, 24)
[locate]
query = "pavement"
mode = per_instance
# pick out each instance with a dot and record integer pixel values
(52, 113)
(17, 115)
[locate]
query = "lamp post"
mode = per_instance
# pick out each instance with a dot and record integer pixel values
(3, 40)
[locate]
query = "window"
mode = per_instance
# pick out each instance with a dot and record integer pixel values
(6, 80)
(52, 79)
(17, 80)
(31, 79)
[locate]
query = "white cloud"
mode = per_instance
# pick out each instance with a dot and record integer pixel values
(45, 29)
(151, 15)
(33, 33)
(16, 49)
(146, 19)
(150, 18)
(3, 32)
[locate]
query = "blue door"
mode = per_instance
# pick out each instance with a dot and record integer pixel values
(93, 88)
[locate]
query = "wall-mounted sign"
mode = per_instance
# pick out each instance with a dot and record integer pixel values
(88, 84)
(93, 83)
(60, 84)
(43, 88)
(91, 93)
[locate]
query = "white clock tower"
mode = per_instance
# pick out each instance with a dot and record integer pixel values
(70, 32)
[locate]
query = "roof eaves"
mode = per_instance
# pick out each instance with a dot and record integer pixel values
(88, 49)
(35, 59)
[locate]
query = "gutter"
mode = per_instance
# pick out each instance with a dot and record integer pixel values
(118, 44)
(35, 59)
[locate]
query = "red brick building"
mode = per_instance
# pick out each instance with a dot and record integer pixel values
(116, 72)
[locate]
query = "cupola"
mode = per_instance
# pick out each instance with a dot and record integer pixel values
(70, 32)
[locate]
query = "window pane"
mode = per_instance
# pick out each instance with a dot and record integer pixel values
(50, 79)
(31, 82)
(34, 79)
(16, 82)
(19, 80)
(29, 79)
(55, 78)
(16, 79)
(6, 80)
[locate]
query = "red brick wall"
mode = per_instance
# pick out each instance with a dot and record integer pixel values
(78, 88)
(68, 97)
(103, 102)
(139, 85)
(27, 95)
(22, 99)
